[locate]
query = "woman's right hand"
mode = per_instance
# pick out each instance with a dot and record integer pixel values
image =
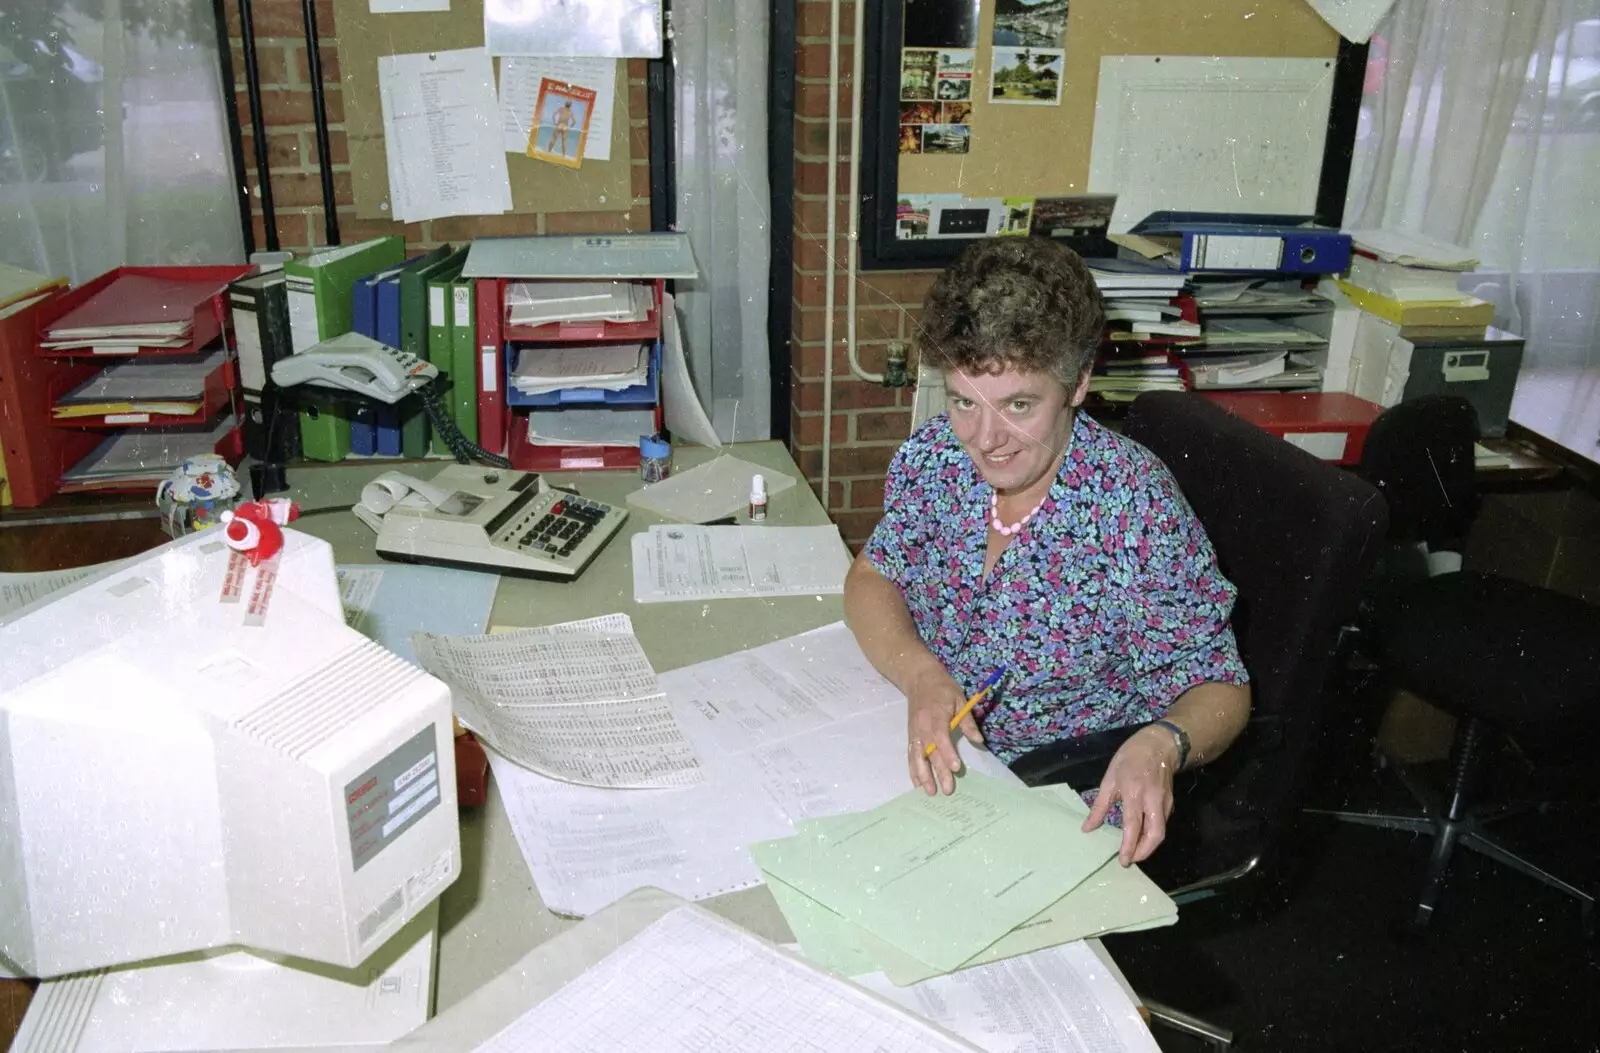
(933, 699)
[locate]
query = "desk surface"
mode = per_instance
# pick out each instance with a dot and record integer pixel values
(1561, 408)
(493, 915)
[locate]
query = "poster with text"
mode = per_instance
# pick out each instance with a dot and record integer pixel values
(563, 114)
(1027, 76)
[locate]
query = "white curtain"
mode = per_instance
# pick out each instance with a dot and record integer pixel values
(720, 62)
(1481, 125)
(113, 140)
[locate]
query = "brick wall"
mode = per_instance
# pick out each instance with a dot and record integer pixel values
(292, 146)
(869, 421)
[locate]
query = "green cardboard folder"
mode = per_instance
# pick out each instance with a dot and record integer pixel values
(440, 308)
(414, 335)
(464, 356)
(318, 290)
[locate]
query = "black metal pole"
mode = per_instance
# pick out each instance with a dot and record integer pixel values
(319, 109)
(660, 90)
(258, 129)
(780, 178)
(235, 135)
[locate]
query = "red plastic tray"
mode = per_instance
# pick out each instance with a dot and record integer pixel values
(216, 397)
(591, 332)
(526, 457)
(209, 317)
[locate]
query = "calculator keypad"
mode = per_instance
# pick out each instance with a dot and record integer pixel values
(561, 529)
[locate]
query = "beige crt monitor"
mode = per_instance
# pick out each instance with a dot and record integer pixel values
(174, 778)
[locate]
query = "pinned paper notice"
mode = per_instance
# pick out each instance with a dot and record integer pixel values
(436, 107)
(519, 95)
(406, 7)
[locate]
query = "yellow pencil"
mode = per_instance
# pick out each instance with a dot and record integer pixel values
(977, 696)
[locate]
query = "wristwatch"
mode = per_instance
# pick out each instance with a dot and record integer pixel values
(1179, 736)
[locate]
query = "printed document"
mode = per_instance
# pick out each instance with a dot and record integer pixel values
(577, 702)
(704, 563)
(696, 983)
(19, 590)
(993, 847)
(436, 108)
(519, 96)
(1112, 899)
(1063, 1000)
(793, 730)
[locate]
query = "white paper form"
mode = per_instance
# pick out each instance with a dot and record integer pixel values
(1060, 1000)
(439, 125)
(1208, 134)
(797, 729)
(700, 563)
(519, 98)
(698, 984)
(1356, 20)
(587, 848)
(400, 7)
(576, 702)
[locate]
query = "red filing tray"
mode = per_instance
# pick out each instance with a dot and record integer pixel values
(590, 332)
(220, 384)
(1331, 425)
(230, 448)
(35, 453)
(526, 457)
(209, 316)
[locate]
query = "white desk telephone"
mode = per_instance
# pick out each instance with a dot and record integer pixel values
(497, 520)
(357, 363)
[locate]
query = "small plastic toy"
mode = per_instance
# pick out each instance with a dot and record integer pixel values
(255, 528)
(197, 495)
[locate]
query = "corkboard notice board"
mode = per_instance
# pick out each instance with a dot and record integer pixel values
(536, 186)
(1031, 151)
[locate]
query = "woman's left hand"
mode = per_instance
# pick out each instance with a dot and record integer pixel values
(1140, 777)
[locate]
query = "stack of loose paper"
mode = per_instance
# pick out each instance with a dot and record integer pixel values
(535, 303)
(1257, 297)
(138, 457)
(1261, 334)
(134, 311)
(608, 367)
(577, 702)
(17, 284)
(793, 730)
(597, 426)
(927, 885)
(173, 386)
(1119, 279)
(723, 562)
(718, 488)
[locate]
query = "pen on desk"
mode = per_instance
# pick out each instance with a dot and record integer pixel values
(977, 696)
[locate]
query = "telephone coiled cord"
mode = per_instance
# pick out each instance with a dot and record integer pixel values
(464, 449)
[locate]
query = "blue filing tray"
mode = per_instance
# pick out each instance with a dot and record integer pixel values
(645, 394)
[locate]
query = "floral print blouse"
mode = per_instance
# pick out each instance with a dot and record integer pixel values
(1106, 607)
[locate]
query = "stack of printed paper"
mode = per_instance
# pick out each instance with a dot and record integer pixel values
(925, 885)
(578, 702)
(610, 367)
(535, 303)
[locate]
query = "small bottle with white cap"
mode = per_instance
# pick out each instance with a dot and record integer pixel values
(758, 497)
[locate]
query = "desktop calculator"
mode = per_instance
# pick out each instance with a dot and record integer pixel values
(504, 522)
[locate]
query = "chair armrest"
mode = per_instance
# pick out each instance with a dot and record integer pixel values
(1079, 762)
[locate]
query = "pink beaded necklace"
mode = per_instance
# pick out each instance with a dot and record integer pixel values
(1009, 529)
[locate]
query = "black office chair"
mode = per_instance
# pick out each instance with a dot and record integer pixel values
(1297, 536)
(1503, 657)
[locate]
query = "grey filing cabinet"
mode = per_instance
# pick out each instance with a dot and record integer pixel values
(1483, 370)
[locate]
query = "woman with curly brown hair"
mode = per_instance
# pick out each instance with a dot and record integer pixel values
(1020, 533)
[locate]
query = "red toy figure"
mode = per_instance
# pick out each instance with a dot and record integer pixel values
(255, 528)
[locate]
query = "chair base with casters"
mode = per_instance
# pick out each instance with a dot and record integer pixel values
(1452, 822)
(1497, 654)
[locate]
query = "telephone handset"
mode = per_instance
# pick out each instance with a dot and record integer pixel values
(356, 363)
